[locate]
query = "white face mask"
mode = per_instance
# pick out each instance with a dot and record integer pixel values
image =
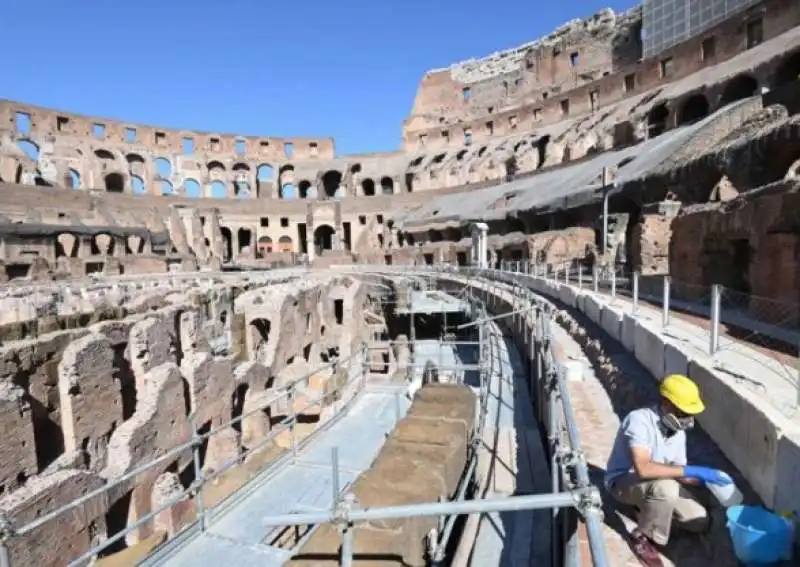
(674, 423)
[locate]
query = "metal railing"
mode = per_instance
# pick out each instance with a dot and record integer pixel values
(286, 394)
(572, 494)
(572, 491)
(763, 330)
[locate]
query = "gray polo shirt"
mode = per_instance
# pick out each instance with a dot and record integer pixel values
(641, 428)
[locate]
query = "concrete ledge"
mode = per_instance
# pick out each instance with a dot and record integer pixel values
(757, 438)
(649, 348)
(611, 321)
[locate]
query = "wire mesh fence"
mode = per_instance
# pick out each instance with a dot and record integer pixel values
(759, 332)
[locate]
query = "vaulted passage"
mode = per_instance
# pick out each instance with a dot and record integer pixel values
(115, 183)
(330, 182)
(657, 120)
(323, 237)
(695, 108)
(738, 88)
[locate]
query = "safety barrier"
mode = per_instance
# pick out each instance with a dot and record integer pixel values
(572, 493)
(356, 368)
(733, 318)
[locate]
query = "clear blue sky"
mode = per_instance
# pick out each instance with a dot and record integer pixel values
(346, 68)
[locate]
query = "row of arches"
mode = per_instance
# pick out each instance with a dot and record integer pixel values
(697, 106)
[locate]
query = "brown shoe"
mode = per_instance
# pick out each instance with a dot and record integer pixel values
(645, 551)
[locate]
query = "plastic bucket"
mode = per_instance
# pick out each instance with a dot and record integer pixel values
(759, 536)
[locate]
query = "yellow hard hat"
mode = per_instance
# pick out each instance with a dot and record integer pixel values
(683, 393)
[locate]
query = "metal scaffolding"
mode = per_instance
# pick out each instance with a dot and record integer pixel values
(571, 495)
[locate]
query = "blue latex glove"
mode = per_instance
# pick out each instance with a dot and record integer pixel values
(707, 475)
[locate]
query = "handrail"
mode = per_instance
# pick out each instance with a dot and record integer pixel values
(577, 493)
(7, 530)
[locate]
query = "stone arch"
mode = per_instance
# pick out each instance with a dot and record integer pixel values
(104, 244)
(787, 72)
(115, 183)
(135, 244)
(191, 188)
(305, 189)
(163, 168)
(285, 244)
(72, 179)
(286, 174)
(410, 178)
(29, 148)
(657, 120)
(287, 192)
(265, 176)
(387, 185)
(241, 189)
(693, 109)
(265, 245)
(331, 181)
(738, 88)
(167, 188)
(323, 237)
(66, 245)
(245, 238)
(218, 189)
(137, 185)
(133, 158)
(368, 187)
(435, 235)
(104, 155)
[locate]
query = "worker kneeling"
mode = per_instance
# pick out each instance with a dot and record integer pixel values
(647, 467)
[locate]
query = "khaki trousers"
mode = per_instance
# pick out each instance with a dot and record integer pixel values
(658, 502)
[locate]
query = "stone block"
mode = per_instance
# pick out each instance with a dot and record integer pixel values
(675, 360)
(787, 497)
(611, 321)
(593, 307)
(742, 426)
(567, 295)
(19, 449)
(91, 403)
(649, 348)
(628, 332)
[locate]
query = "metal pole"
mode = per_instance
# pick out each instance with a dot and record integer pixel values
(665, 303)
(198, 475)
(715, 308)
(397, 412)
(517, 503)
(613, 282)
(635, 292)
(335, 474)
(347, 546)
(292, 432)
(605, 210)
(6, 532)
(5, 556)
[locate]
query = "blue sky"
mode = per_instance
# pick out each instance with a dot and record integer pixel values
(346, 68)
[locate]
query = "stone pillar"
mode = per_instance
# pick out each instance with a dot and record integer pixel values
(479, 244)
(310, 248)
(215, 234)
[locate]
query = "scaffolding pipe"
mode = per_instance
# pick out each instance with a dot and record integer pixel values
(505, 504)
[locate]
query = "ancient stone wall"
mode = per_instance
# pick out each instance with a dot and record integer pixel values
(582, 67)
(750, 247)
(82, 407)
